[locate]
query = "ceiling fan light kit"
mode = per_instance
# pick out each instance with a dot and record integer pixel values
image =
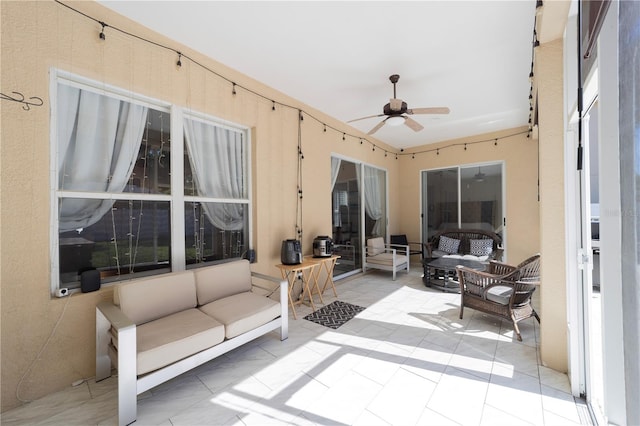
(395, 120)
(397, 112)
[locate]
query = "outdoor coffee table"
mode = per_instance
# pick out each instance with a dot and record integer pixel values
(447, 265)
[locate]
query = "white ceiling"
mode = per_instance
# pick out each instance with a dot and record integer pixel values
(336, 56)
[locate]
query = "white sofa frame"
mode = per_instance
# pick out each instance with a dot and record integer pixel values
(395, 265)
(130, 385)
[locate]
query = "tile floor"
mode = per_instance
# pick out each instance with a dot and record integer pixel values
(407, 359)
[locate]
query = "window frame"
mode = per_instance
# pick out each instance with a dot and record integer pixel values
(176, 199)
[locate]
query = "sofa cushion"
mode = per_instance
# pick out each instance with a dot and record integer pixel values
(155, 297)
(222, 280)
(387, 259)
(467, 257)
(483, 247)
(375, 246)
(174, 337)
(242, 312)
(438, 253)
(448, 245)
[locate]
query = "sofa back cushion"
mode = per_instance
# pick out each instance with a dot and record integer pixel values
(448, 245)
(375, 246)
(155, 297)
(223, 280)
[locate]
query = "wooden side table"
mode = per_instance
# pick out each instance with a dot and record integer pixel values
(328, 263)
(306, 271)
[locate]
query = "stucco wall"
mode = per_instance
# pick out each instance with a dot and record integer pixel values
(37, 36)
(549, 74)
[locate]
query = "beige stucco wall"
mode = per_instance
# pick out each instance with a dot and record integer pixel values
(37, 36)
(549, 77)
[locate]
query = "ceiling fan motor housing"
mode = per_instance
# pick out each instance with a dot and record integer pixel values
(388, 111)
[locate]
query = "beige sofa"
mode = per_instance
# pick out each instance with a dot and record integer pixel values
(162, 326)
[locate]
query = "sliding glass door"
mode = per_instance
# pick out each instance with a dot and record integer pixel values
(463, 197)
(346, 222)
(359, 208)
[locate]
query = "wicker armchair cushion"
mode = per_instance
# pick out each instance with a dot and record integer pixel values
(483, 247)
(499, 294)
(448, 245)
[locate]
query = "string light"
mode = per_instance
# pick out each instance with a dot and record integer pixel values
(344, 136)
(233, 89)
(179, 63)
(273, 106)
(102, 36)
(465, 146)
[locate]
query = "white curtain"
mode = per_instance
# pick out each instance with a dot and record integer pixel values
(374, 198)
(216, 158)
(98, 142)
(335, 170)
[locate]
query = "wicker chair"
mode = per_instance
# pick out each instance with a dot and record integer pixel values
(502, 290)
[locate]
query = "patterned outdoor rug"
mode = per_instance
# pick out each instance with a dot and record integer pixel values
(334, 314)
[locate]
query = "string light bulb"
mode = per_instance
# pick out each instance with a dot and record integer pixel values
(273, 105)
(179, 63)
(233, 89)
(102, 35)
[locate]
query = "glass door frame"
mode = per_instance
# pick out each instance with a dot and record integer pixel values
(458, 167)
(360, 165)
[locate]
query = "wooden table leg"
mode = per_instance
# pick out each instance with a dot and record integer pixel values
(329, 265)
(306, 277)
(285, 276)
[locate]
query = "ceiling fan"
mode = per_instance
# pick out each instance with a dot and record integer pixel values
(397, 112)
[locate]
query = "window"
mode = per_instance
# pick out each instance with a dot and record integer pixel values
(121, 206)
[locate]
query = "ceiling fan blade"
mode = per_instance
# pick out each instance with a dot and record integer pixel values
(378, 126)
(434, 110)
(395, 104)
(412, 124)
(362, 118)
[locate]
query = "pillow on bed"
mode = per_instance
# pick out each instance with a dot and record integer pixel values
(483, 247)
(448, 245)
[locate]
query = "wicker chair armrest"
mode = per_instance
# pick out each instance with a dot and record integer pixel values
(429, 249)
(476, 282)
(497, 254)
